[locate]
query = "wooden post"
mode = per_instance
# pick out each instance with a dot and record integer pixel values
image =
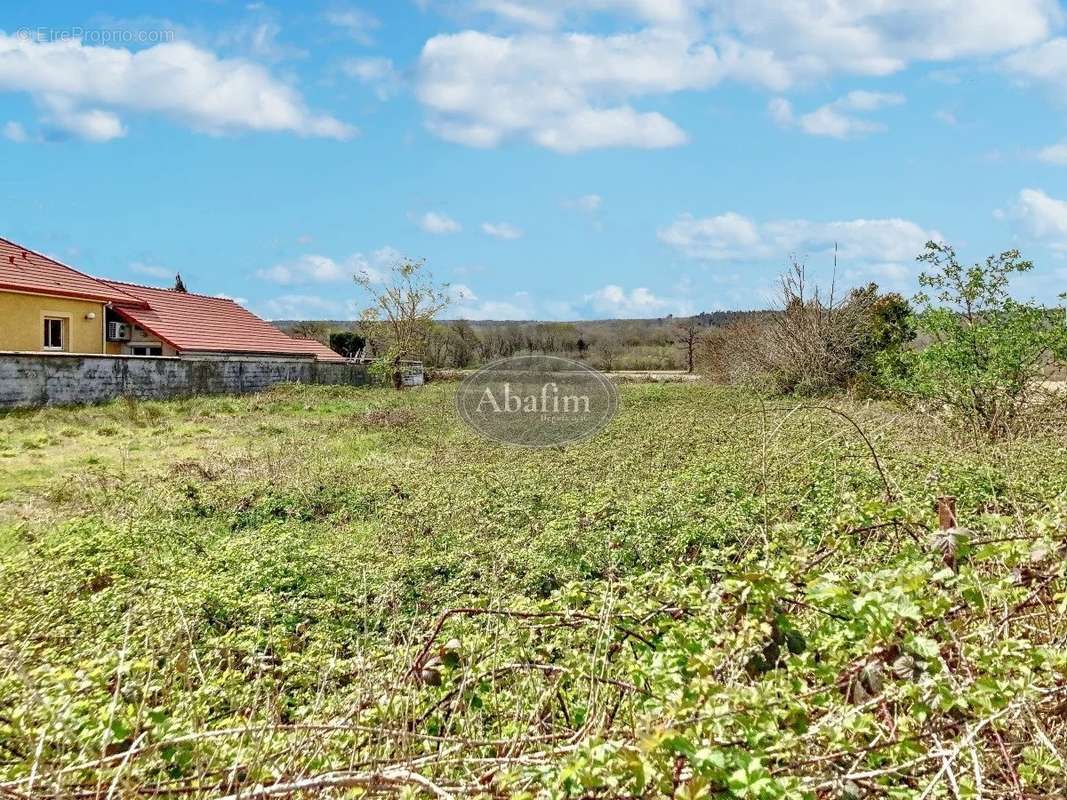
(946, 512)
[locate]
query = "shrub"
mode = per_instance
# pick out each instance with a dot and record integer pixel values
(988, 354)
(816, 343)
(734, 353)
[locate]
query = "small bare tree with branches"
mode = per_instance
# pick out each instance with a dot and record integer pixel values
(312, 330)
(405, 304)
(688, 336)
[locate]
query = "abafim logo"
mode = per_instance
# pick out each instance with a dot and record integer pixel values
(537, 401)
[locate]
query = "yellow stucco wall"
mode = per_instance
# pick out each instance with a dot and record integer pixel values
(22, 322)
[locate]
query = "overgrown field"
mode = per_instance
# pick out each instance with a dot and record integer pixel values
(346, 591)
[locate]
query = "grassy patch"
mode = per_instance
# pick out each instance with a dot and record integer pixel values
(716, 595)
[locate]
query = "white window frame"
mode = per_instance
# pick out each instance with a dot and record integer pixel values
(64, 332)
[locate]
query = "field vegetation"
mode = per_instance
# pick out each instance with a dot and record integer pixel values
(770, 589)
(346, 591)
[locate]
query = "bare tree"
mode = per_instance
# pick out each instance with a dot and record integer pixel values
(605, 352)
(312, 330)
(814, 343)
(688, 336)
(737, 352)
(405, 304)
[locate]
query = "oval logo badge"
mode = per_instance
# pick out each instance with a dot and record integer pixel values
(537, 401)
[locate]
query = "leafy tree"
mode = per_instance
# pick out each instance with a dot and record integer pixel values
(463, 343)
(405, 304)
(988, 353)
(892, 322)
(887, 326)
(347, 343)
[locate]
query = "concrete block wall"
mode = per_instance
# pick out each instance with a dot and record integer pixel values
(37, 379)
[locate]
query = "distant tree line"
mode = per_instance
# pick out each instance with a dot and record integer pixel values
(665, 343)
(969, 348)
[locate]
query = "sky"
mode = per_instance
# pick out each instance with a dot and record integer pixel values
(548, 159)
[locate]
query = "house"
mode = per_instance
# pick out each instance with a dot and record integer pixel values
(48, 307)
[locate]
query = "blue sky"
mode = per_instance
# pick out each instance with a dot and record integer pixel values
(551, 160)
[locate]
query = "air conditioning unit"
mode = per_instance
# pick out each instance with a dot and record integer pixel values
(118, 332)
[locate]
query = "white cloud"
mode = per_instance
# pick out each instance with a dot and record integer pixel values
(573, 91)
(14, 132)
(562, 92)
(306, 269)
(461, 293)
(591, 128)
(1046, 63)
(587, 203)
(725, 237)
(241, 301)
(162, 273)
(607, 301)
(781, 111)
(501, 230)
(733, 237)
(310, 268)
(355, 23)
(82, 88)
(258, 38)
(548, 14)
(1054, 154)
(1045, 217)
(93, 125)
(438, 223)
(306, 306)
(522, 14)
(469, 306)
(615, 301)
(378, 73)
(1046, 66)
(816, 38)
(868, 101)
(947, 117)
(385, 257)
(834, 119)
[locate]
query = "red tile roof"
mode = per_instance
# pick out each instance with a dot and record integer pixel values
(187, 322)
(23, 270)
(321, 351)
(198, 323)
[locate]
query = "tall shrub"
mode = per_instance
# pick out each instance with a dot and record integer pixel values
(987, 355)
(821, 343)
